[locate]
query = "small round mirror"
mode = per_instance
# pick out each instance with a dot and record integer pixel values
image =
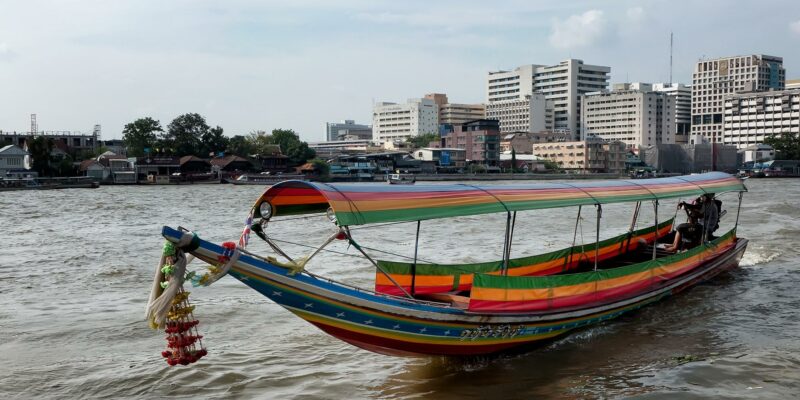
(331, 215)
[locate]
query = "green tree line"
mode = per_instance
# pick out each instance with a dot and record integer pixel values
(190, 134)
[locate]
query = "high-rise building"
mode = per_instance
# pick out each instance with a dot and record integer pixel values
(714, 79)
(633, 114)
(752, 117)
(522, 115)
(683, 105)
(332, 128)
(397, 122)
(562, 84)
(454, 113)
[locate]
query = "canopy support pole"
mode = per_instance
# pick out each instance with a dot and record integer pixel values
(597, 236)
(510, 239)
(327, 242)
(738, 209)
(386, 274)
(414, 266)
(568, 260)
(276, 248)
(633, 225)
(506, 243)
(655, 238)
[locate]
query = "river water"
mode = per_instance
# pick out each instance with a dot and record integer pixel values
(76, 266)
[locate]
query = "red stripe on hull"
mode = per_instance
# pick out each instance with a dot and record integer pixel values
(394, 347)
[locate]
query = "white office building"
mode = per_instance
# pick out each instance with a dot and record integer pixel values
(683, 104)
(634, 114)
(752, 117)
(397, 122)
(562, 85)
(522, 115)
(715, 79)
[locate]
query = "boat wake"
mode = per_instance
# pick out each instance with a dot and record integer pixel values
(757, 256)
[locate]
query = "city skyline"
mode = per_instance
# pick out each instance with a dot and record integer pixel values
(261, 66)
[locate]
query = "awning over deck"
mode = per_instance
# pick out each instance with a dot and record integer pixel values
(358, 204)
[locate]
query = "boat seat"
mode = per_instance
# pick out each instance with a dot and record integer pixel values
(454, 299)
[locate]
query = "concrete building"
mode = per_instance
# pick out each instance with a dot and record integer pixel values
(392, 121)
(756, 153)
(355, 134)
(333, 129)
(480, 139)
(446, 158)
(562, 84)
(67, 141)
(632, 113)
(683, 105)
(690, 158)
(752, 117)
(328, 150)
(521, 142)
(453, 113)
(522, 115)
(793, 84)
(714, 79)
(584, 156)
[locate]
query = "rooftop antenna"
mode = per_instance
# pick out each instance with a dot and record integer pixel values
(670, 58)
(34, 125)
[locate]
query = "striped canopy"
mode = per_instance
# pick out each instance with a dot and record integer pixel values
(358, 204)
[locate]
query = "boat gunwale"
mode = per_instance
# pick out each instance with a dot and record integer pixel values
(435, 311)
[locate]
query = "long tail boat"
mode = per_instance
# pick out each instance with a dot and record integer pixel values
(479, 308)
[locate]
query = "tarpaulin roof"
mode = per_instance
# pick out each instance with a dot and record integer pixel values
(357, 204)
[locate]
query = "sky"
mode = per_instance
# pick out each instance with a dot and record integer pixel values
(250, 65)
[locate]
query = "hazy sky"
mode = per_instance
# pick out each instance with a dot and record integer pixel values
(248, 65)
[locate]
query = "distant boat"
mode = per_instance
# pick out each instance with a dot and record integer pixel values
(263, 179)
(48, 183)
(402, 179)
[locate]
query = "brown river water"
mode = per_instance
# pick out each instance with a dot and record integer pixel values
(76, 267)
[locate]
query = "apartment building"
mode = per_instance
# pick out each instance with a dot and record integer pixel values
(454, 113)
(632, 113)
(714, 79)
(752, 117)
(562, 85)
(522, 115)
(397, 122)
(480, 139)
(585, 155)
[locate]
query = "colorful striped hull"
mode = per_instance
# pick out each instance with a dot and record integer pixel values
(398, 326)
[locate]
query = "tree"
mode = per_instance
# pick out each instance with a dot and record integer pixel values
(213, 142)
(513, 160)
(322, 167)
(140, 134)
(423, 140)
(291, 146)
(260, 143)
(239, 145)
(184, 134)
(786, 145)
(40, 148)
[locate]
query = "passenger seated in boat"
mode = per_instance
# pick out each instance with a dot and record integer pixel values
(687, 235)
(706, 211)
